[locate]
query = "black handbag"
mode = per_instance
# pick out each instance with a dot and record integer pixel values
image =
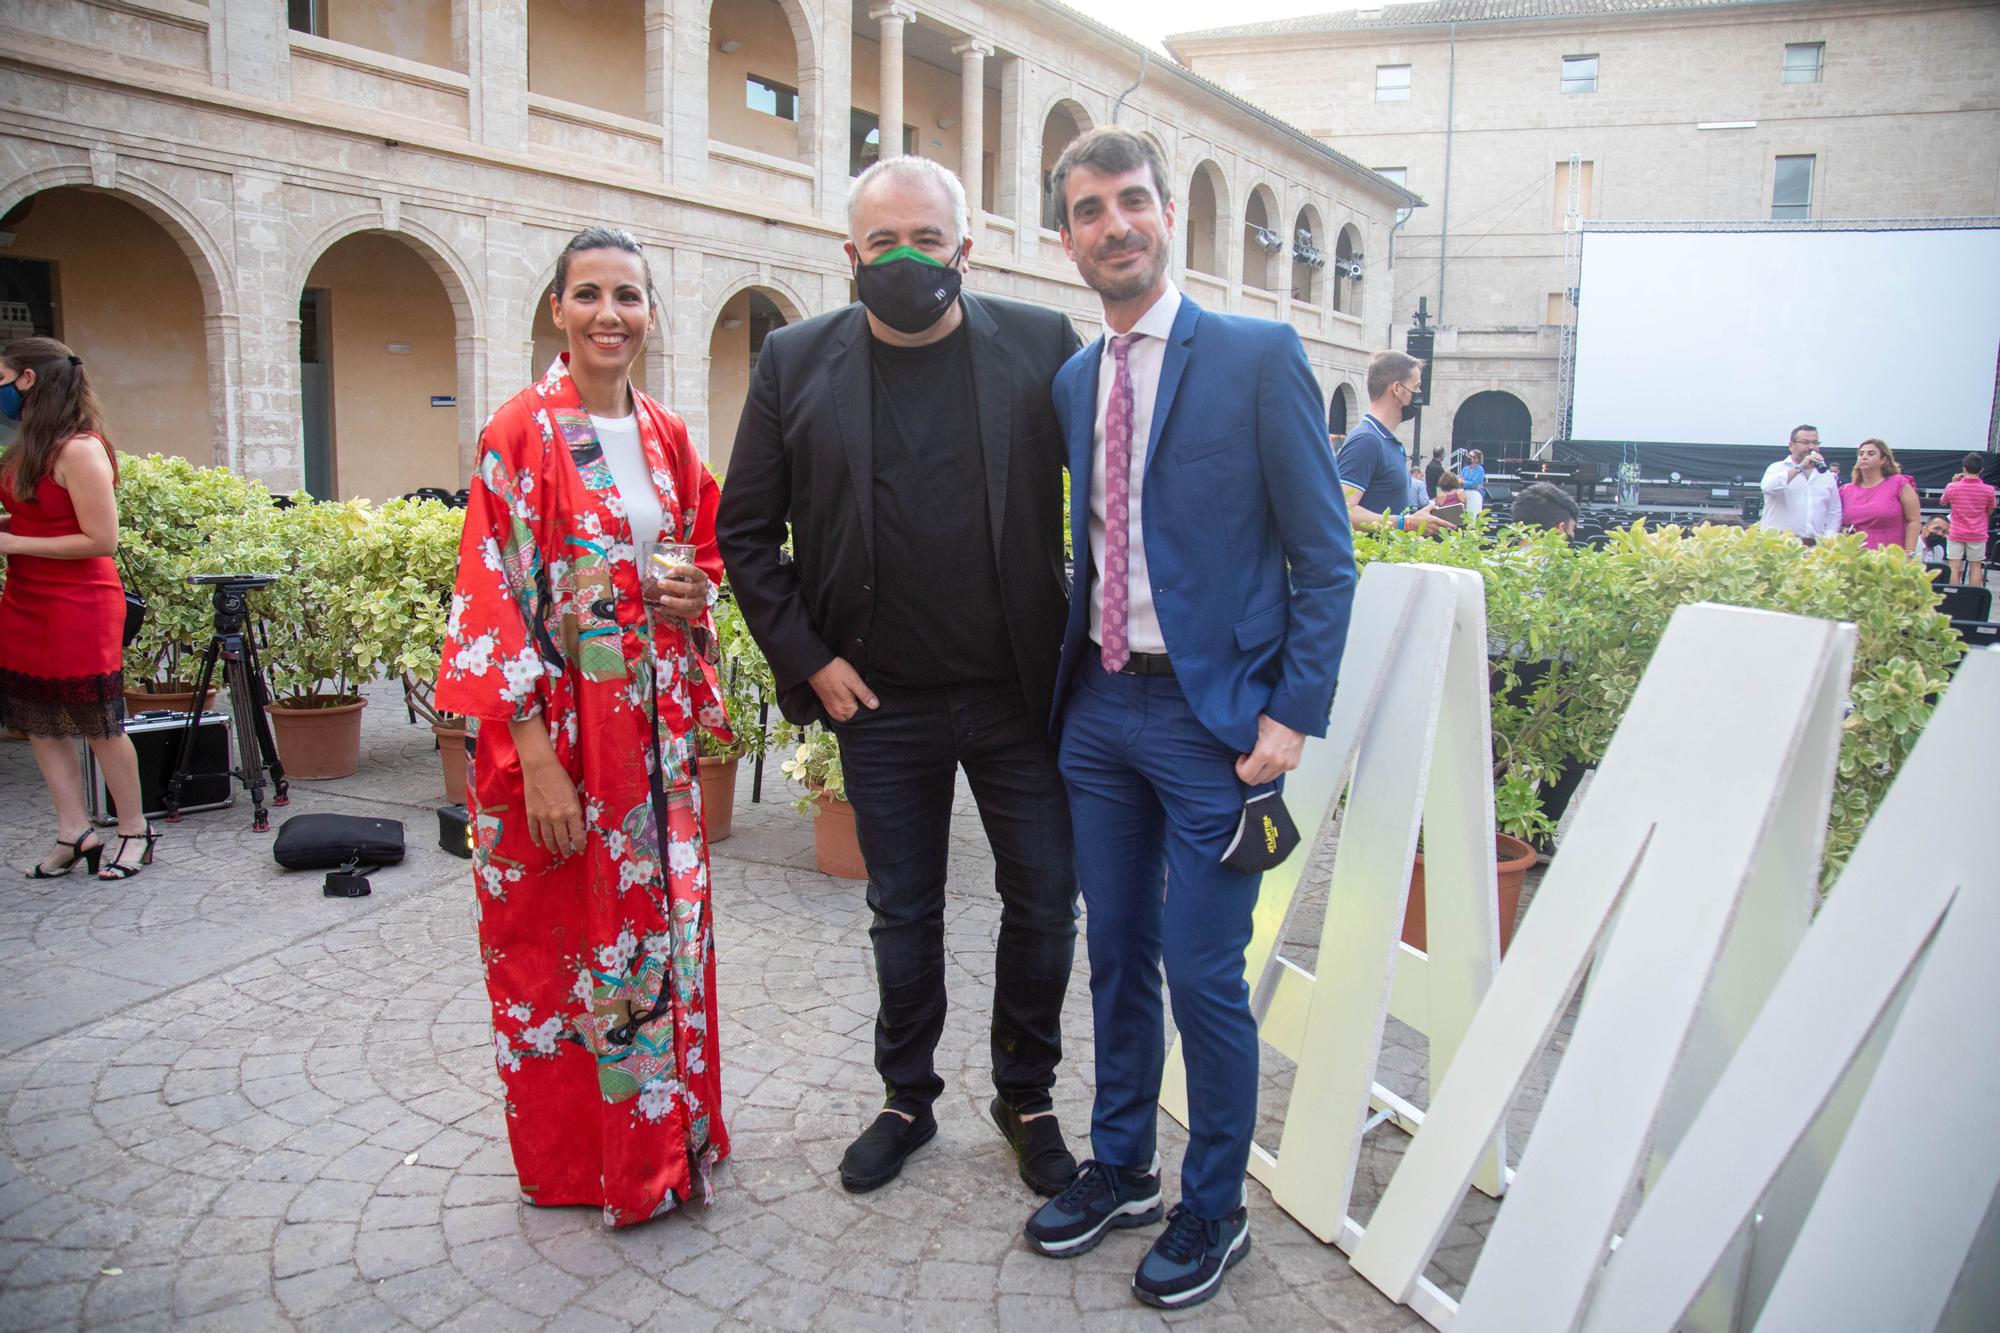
(135, 617)
(347, 845)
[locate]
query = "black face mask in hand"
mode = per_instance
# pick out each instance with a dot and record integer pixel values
(907, 289)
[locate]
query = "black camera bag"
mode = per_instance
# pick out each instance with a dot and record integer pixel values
(347, 845)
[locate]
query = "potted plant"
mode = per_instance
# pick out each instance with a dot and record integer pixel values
(321, 625)
(1571, 629)
(405, 566)
(815, 765)
(746, 683)
(170, 515)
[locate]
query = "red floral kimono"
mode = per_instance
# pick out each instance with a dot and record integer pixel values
(600, 965)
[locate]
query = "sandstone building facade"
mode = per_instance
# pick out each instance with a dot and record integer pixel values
(312, 241)
(1674, 111)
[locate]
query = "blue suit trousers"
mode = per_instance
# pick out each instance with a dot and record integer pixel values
(1154, 800)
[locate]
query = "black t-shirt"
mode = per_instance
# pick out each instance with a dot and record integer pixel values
(938, 618)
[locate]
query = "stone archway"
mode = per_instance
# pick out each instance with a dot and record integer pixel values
(1262, 241)
(763, 77)
(134, 294)
(1493, 421)
(1341, 415)
(747, 316)
(460, 389)
(1207, 204)
(1308, 259)
(1063, 124)
(386, 327)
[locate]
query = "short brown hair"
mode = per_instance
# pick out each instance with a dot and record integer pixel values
(1389, 368)
(1450, 481)
(1113, 151)
(1974, 463)
(1890, 467)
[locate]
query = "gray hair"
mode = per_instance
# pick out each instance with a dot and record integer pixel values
(912, 168)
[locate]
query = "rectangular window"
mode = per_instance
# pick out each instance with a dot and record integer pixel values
(1579, 74)
(1803, 61)
(307, 16)
(1558, 310)
(770, 97)
(1585, 204)
(1400, 175)
(1392, 83)
(1791, 188)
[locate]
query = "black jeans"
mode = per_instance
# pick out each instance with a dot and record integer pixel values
(901, 762)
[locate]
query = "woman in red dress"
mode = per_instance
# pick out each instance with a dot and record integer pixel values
(62, 609)
(590, 861)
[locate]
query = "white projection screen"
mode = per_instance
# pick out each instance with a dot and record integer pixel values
(1734, 337)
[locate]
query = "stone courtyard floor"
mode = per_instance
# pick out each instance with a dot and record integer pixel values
(229, 1102)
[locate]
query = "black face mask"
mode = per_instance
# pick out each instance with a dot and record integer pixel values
(908, 290)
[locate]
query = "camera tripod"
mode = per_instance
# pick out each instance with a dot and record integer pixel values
(232, 644)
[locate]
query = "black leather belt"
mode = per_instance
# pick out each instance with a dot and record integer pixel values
(1141, 664)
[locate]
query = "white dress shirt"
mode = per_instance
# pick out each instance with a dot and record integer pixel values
(619, 438)
(1806, 503)
(1142, 362)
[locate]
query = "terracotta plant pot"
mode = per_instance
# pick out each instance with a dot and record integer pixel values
(451, 754)
(1514, 857)
(320, 740)
(718, 793)
(836, 849)
(153, 696)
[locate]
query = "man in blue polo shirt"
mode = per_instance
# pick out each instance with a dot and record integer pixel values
(1374, 470)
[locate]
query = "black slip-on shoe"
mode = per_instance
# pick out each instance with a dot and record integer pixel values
(1186, 1264)
(877, 1157)
(1046, 1163)
(1102, 1198)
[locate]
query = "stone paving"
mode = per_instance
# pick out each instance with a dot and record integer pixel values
(229, 1102)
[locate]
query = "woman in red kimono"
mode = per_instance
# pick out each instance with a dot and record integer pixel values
(583, 689)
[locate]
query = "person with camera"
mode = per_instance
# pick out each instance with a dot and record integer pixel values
(1801, 493)
(62, 609)
(583, 680)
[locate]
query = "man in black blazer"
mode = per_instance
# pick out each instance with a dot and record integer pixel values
(910, 444)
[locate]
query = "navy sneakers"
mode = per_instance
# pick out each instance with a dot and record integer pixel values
(1186, 1264)
(1102, 1198)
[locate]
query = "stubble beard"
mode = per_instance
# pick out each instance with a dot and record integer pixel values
(1129, 288)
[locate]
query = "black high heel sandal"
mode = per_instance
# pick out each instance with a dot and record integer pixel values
(116, 869)
(90, 856)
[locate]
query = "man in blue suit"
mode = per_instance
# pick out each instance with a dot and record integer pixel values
(1214, 574)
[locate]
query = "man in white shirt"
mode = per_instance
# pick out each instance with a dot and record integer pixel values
(1801, 493)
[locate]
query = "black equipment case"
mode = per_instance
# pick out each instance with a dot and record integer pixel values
(157, 737)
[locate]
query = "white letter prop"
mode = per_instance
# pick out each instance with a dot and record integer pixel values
(1916, 911)
(1682, 853)
(1410, 722)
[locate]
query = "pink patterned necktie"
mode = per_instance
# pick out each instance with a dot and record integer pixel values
(1114, 638)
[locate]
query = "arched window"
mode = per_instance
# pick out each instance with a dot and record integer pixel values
(755, 97)
(1308, 261)
(1262, 242)
(1207, 203)
(1066, 122)
(1346, 285)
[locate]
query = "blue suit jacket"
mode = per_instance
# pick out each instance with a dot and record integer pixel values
(1245, 530)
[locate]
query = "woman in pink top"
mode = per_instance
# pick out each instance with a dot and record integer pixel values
(1971, 503)
(1880, 503)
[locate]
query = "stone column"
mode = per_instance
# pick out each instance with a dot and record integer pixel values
(972, 124)
(490, 40)
(270, 444)
(250, 48)
(892, 17)
(685, 92)
(1017, 176)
